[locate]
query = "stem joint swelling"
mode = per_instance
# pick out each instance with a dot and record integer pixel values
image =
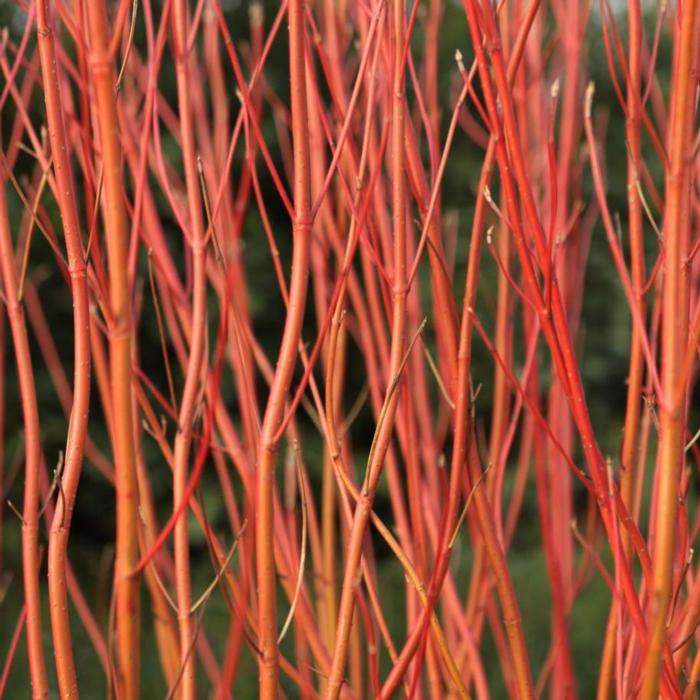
(271, 449)
(302, 225)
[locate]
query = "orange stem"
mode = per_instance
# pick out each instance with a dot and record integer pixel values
(127, 607)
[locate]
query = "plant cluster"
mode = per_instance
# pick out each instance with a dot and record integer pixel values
(310, 337)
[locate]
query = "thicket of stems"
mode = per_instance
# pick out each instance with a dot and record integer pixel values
(324, 344)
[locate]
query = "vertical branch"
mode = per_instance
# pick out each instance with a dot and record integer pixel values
(630, 438)
(77, 432)
(127, 608)
(676, 231)
(274, 412)
(385, 425)
(636, 234)
(32, 454)
(193, 376)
